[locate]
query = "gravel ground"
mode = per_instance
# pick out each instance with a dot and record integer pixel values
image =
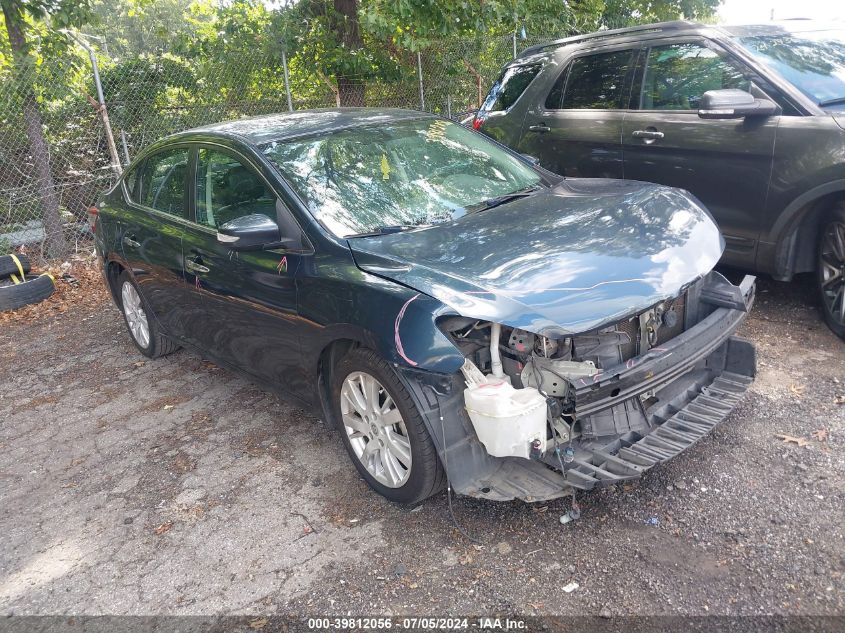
(173, 487)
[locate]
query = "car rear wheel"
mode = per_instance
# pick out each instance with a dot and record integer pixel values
(140, 321)
(382, 429)
(831, 270)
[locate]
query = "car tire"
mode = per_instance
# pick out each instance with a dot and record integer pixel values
(31, 290)
(831, 269)
(405, 442)
(9, 266)
(140, 320)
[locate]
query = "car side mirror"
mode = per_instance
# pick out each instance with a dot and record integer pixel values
(250, 233)
(734, 104)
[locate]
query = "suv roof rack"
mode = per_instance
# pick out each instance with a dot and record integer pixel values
(650, 28)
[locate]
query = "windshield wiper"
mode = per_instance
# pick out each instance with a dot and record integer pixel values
(387, 230)
(504, 199)
(830, 102)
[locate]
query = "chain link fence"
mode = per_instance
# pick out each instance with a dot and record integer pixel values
(46, 189)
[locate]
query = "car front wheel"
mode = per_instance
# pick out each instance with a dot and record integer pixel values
(382, 429)
(831, 270)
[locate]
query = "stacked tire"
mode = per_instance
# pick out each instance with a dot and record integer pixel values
(17, 287)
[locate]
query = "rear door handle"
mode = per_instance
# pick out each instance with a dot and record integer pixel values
(541, 128)
(131, 241)
(652, 135)
(195, 267)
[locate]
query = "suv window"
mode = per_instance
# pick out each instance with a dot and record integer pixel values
(162, 184)
(509, 87)
(592, 82)
(677, 75)
(227, 189)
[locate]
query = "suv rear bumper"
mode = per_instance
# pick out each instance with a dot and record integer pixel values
(697, 377)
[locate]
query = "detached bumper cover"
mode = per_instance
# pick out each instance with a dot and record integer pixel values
(698, 377)
(629, 457)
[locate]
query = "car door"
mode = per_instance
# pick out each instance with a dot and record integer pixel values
(576, 129)
(245, 301)
(725, 163)
(150, 234)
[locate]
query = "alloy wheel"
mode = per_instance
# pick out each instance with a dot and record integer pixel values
(376, 430)
(833, 270)
(136, 318)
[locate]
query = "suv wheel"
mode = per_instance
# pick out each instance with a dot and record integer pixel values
(382, 429)
(831, 269)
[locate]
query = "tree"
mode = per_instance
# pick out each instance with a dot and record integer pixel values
(64, 13)
(344, 21)
(359, 40)
(619, 13)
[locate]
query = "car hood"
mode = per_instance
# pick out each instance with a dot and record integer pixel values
(565, 260)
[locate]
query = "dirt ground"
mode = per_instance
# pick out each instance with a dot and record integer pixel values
(130, 486)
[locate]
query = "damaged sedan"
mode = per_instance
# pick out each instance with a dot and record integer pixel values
(458, 313)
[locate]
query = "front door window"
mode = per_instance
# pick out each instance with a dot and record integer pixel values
(677, 75)
(227, 190)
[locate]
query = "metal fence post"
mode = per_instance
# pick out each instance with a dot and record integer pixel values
(287, 79)
(104, 113)
(125, 146)
(419, 73)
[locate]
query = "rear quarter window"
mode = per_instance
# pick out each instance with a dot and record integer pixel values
(509, 87)
(592, 82)
(163, 180)
(130, 180)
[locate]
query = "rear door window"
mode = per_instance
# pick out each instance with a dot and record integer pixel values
(163, 180)
(593, 82)
(509, 87)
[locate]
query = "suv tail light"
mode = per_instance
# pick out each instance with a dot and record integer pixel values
(476, 122)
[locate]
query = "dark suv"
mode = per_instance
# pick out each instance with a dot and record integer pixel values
(749, 119)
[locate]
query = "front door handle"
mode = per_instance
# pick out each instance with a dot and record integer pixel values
(130, 240)
(649, 135)
(541, 128)
(195, 267)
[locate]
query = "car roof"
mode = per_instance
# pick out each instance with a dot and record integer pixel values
(623, 33)
(259, 130)
(676, 27)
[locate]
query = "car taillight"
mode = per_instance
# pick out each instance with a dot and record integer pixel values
(476, 123)
(93, 213)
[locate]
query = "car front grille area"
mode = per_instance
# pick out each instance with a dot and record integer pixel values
(669, 327)
(624, 340)
(668, 332)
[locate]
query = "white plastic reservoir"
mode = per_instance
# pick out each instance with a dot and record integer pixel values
(506, 420)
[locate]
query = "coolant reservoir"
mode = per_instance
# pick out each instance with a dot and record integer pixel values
(506, 420)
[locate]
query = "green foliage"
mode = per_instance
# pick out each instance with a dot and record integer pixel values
(168, 64)
(619, 13)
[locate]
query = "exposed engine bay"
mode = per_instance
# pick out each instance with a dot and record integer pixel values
(608, 404)
(552, 367)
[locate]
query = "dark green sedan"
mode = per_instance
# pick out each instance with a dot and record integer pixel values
(458, 313)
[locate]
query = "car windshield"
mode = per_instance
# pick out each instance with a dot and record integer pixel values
(813, 61)
(401, 174)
